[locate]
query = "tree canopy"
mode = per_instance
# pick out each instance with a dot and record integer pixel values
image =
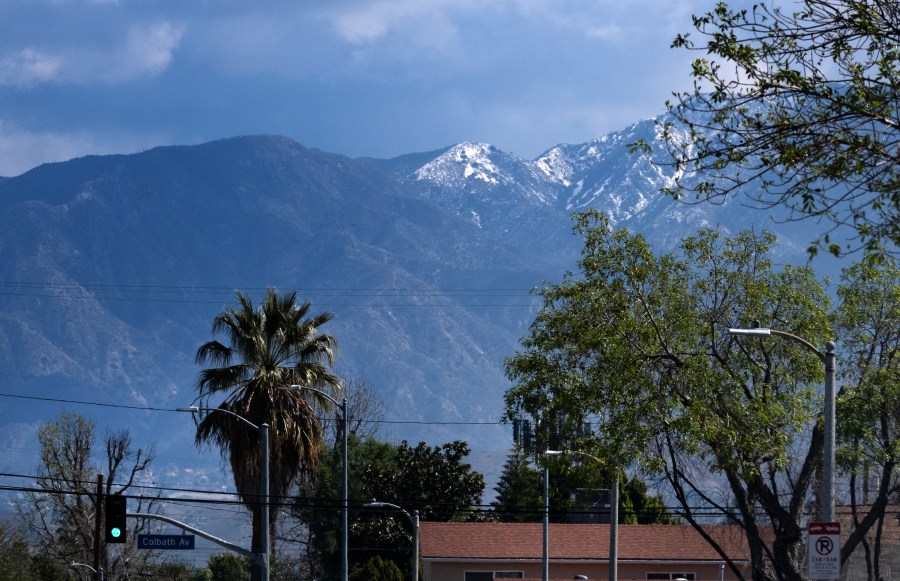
(803, 107)
(436, 481)
(639, 344)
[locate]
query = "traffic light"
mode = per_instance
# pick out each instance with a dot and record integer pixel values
(115, 519)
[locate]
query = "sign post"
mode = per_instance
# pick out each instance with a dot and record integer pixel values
(824, 550)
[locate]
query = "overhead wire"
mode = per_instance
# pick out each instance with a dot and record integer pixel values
(160, 409)
(197, 293)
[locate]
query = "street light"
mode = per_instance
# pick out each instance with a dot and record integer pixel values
(97, 572)
(344, 489)
(263, 430)
(414, 521)
(545, 553)
(829, 360)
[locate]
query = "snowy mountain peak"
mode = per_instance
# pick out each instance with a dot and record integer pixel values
(465, 161)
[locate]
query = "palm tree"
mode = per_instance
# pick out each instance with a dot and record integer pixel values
(271, 345)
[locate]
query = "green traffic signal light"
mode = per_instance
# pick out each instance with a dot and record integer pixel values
(115, 519)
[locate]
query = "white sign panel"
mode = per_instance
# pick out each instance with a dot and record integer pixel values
(824, 549)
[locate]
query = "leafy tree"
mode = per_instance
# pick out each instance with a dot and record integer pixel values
(803, 106)
(181, 571)
(436, 481)
(377, 569)
(642, 507)
(640, 342)
(15, 557)
(61, 516)
(868, 322)
(520, 490)
(271, 345)
(320, 507)
(228, 567)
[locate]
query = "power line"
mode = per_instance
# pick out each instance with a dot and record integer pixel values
(88, 291)
(158, 409)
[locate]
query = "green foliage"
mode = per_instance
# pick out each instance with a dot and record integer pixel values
(376, 569)
(46, 568)
(228, 567)
(868, 405)
(320, 506)
(642, 507)
(436, 481)
(801, 106)
(15, 558)
(518, 490)
(179, 571)
(640, 344)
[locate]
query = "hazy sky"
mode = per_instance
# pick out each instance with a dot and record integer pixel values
(359, 77)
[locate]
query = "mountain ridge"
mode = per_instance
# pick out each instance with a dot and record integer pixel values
(116, 265)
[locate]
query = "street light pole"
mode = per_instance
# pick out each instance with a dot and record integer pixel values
(614, 525)
(545, 553)
(263, 430)
(829, 359)
(613, 573)
(414, 521)
(342, 405)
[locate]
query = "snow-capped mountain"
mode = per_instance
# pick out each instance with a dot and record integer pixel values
(113, 267)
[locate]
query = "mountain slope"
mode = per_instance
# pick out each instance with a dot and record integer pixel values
(115, 267)
(112, 268)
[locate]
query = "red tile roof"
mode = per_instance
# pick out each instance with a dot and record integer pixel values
(440, 540)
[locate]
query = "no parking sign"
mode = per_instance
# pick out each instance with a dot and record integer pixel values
(824, 549)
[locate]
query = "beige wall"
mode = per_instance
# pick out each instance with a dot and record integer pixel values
(447, 571)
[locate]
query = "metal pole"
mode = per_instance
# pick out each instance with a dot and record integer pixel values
(414, 521)
(828, 500)
(545, 562)
(263, 430)
(415, 563)
(97, 520)
(344, 493)
(830, 360)
(614, 527)
(264, 435)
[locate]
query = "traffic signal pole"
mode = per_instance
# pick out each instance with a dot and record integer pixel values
(98, 517)
(257, 557)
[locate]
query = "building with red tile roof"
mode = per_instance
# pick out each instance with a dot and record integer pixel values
(487, 551)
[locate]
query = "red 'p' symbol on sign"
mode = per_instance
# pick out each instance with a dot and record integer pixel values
(824, 546)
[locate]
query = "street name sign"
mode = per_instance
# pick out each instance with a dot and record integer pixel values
(824, 550)
(166, 542)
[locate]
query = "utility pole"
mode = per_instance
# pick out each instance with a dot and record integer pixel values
(98, 518)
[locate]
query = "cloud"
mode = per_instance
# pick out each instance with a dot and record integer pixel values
(149, 49)
(144, 50)
(28, 67)
(370, 21)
